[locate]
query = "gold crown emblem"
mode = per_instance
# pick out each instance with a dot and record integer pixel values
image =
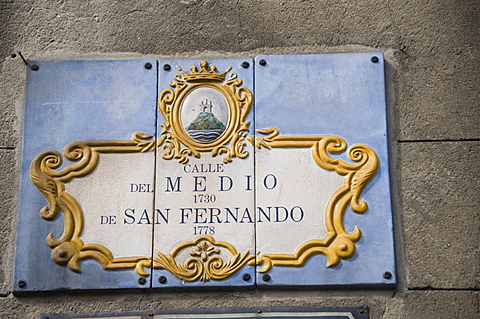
(204, 75)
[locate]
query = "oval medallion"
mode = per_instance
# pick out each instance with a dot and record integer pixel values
(205, 114)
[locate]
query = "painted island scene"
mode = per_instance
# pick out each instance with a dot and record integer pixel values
(205, 114)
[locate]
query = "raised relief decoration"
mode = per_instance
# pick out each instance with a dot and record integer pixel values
(337, 243)
(194, 127)
(208, 184)
(205, 116)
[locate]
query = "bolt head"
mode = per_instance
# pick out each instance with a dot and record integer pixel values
(148, 65)
(34, 67)
(375, 59)
(246, 277)
(162, 279)
(22, 284)
(262, 62)
(245, 65)
(266, 277)
(142, 281)
(387, 275)
(167, 67)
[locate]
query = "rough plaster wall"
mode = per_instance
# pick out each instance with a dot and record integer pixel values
(432, 76)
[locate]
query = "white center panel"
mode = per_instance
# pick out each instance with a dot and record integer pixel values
(292, 194)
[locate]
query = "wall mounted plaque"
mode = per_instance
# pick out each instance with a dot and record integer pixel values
(80, 167)
(359, 312)
(267, 172)
(320, 125)
(205, 175)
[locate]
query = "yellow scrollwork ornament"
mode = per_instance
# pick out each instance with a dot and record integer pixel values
(208, 259)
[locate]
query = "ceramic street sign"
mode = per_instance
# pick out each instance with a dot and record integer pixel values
(205, 176)
(83, 173)
(267, 172)
(323, 199)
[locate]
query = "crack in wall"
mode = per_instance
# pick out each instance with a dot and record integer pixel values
(440, 140)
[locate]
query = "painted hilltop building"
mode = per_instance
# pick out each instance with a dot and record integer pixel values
(205, 127)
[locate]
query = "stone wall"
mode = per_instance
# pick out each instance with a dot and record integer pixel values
(431, 49)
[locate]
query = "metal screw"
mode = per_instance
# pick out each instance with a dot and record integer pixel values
(259, 311)
(142, 281)
(263, 62)
(22, 284)
(148, 65)
(167, 67)
(363, 310)
(34, 67)
(266, 277)
(245, 65)
(162, 279)
(246, 277)
(387, 275)
(374, 59)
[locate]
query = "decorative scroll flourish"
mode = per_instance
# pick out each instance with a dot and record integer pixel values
(69, 249)
(206, 256)
(208, 259)
(338, 243)
(145, 142)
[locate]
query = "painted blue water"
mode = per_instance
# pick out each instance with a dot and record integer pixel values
(205, 136)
